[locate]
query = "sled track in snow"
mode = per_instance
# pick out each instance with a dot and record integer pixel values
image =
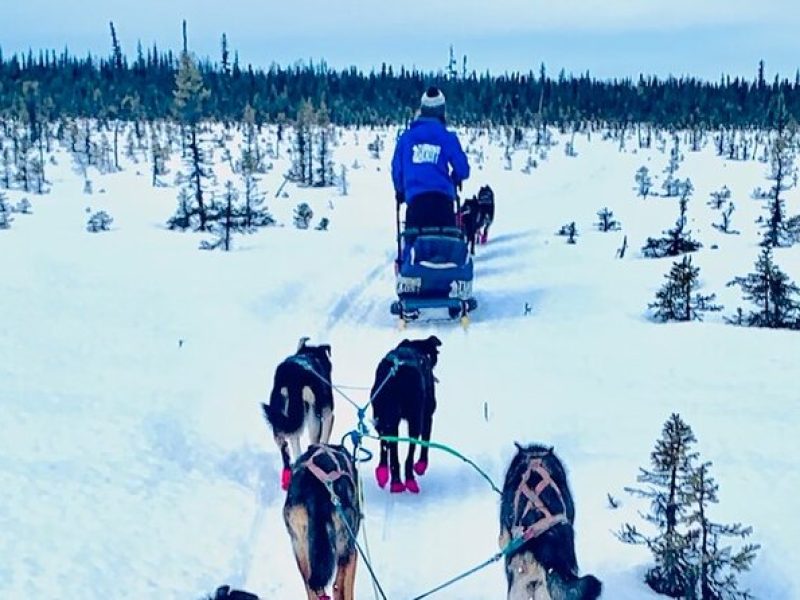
(365, 300)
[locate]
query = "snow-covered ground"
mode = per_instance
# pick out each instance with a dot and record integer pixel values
(134, 460)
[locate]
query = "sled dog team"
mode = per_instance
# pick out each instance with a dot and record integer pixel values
(322, 511)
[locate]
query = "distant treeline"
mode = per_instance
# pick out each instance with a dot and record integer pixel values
(50, 86)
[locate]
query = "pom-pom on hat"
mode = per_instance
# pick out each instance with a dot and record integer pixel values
(432, 103)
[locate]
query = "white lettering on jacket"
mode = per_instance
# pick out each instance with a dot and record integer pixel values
(425, 153)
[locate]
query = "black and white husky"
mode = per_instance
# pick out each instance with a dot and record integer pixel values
(301, 398)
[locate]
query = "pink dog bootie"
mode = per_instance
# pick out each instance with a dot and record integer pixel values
(420, 467)
(412, 486)
(286, 478)
(382, 475)
(397, 487)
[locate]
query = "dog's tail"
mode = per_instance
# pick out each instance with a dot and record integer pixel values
(321, 539)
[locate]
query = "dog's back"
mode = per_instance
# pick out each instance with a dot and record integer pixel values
(537, 506)
(225, 592)
(477, 213)
(404, 383)
(486, 206)
(300, 380)
(470, 216)
(322, 535)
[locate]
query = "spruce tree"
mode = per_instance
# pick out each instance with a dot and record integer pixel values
(182, 219)
(158, 159)
(324, 171)
(781, 171)
(189, 98)
(23, 207)
(607, 221)
(7, 175)
(671, 185)
(303, 215)
(675, 302)
(725, 225)
(570, 231)
(99, 221)
(665, 486)
(228, 222)
(116, 49)
(5, 212)
(303, 156)
(773, 293)
(715, 565)
(678, 240)
(719, 197)
(254, 213)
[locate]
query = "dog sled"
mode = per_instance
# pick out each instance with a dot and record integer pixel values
(434, 270)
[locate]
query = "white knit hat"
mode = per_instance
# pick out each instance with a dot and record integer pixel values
(432, 99)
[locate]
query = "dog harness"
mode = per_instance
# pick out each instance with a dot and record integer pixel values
(309, 363)
(409, 357)
(532, 496)
(342, 468)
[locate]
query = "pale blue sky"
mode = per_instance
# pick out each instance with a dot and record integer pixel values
(611, 38)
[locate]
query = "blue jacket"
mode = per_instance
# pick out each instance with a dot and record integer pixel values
(428, 158)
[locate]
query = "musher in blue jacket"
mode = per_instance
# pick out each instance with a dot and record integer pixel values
(428, 165)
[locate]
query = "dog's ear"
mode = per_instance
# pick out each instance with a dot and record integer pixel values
(434, 341)
(519, 447)
(327, 349)
(302, 343)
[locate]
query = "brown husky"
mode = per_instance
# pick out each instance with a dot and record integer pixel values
(537, 509)
(323, 534)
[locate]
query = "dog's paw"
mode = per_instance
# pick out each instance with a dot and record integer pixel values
(382, 475)
(397, 487)
(484, 238)
(420, 467)
(286, 478)
(412, 486)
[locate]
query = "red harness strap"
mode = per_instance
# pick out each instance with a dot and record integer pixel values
(534, 501)
(328, 477)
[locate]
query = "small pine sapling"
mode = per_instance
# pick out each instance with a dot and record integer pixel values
(182, 219)
(606, 220)
(772, 292)
(570, 231)
(23, 207)
(725, 225)
(643, 182)
(99, 221)
(343, 180)
(719, 197)
(302, 215)
(678, 240)
(716, 565)
(5, 212)
(228, 220)
(664, 487)
(675, 300)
